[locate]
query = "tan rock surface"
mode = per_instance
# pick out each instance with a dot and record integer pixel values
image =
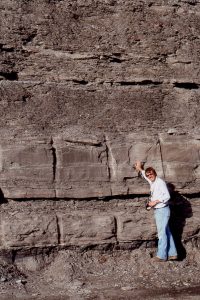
(118, 222)
(86, 89)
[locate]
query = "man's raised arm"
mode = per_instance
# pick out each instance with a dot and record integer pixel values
(139, 168)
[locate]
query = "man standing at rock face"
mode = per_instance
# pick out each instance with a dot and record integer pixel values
(159, 202)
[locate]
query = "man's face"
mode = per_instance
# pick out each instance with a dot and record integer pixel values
(151, 176)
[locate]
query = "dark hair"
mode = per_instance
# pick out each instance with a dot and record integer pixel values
(150, 169)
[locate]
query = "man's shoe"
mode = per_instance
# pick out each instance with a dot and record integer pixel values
(173, 257)
(158, 259)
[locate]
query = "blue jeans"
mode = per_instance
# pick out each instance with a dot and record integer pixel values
(166, 246)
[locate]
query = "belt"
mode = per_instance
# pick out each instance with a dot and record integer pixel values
(161, 207)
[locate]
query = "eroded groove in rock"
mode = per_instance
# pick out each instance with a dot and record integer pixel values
(191, 2)
(12, 76)
(115, 229)
(186, 85)
(58, 229)
(81, 82)
(53, 149)
(140, 83)
(4, 48)
(110, 160)
(29, 38)
(161, 158)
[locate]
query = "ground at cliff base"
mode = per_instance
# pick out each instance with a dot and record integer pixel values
(98, 275)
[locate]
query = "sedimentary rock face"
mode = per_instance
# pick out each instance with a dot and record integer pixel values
(86, 89)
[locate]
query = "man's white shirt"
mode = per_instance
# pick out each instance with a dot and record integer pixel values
(159, 191)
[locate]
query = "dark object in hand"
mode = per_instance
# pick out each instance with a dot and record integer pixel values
(147, 205)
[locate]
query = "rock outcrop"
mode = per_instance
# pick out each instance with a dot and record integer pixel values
(90, 167)
(86, 89)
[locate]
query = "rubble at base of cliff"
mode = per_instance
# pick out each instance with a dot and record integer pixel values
(95, 274)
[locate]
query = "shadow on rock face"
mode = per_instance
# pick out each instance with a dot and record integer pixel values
(180, 210)
(2, 198)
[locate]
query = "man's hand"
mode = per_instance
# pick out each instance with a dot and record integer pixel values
(153, 203)
(138, 166)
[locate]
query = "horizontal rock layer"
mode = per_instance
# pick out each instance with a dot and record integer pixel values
(99, 66)
(87, 167)
(97, 40)
(94, 223)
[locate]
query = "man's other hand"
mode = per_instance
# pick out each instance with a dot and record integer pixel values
(138, 166)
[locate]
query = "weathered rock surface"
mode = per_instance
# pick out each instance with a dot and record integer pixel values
(117, 223)
(85, 228)
(117, 82)
(105, 66)
(63, 167)
(28, 229)
(86, 89)
(27, 168)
